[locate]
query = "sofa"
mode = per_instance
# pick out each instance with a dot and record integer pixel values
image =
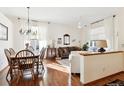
(63, 52)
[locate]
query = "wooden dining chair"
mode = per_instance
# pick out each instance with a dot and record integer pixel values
(12, 51)
(26, 60)
(42, 53)
(7, 54)
(12, 65)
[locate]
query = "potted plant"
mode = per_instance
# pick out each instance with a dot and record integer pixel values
(85, 47)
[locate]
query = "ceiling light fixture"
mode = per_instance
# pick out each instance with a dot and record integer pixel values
(26, 30)
(80, 23)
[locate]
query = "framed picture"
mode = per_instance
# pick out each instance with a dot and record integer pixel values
(66, 39)
(3, 32)
(59, 41)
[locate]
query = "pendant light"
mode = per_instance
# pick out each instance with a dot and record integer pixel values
(26, 29)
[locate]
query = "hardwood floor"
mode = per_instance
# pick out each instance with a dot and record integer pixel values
(55, 75)
(107, 80)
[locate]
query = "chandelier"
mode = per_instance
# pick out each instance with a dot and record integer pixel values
(80, 25)
(25, 28)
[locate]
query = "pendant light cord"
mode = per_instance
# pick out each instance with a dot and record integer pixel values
(28, 18)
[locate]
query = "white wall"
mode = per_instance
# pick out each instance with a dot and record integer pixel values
(119, 28)
(85, 35)
(56, 31)
(5, 44)
(118, 31)
(112, 26)
(18, 39)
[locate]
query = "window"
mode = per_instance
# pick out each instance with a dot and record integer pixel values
(98, 33)
(34, 32)
(103, 30)
(38, 36)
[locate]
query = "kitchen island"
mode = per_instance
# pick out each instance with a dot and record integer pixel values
(95, 65)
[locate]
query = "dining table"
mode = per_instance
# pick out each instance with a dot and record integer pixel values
(13, 59)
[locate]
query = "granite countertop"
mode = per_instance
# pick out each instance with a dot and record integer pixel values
(88, 53)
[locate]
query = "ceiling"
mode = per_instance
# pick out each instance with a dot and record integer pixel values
(62, 15)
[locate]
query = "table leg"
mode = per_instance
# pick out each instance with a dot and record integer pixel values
(11, 73)
(37, 68)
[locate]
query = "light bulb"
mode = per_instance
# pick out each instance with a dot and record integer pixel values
(79, 25)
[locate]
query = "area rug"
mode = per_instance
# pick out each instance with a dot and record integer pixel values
(57, 67)
(64, 62)
(116, 82)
